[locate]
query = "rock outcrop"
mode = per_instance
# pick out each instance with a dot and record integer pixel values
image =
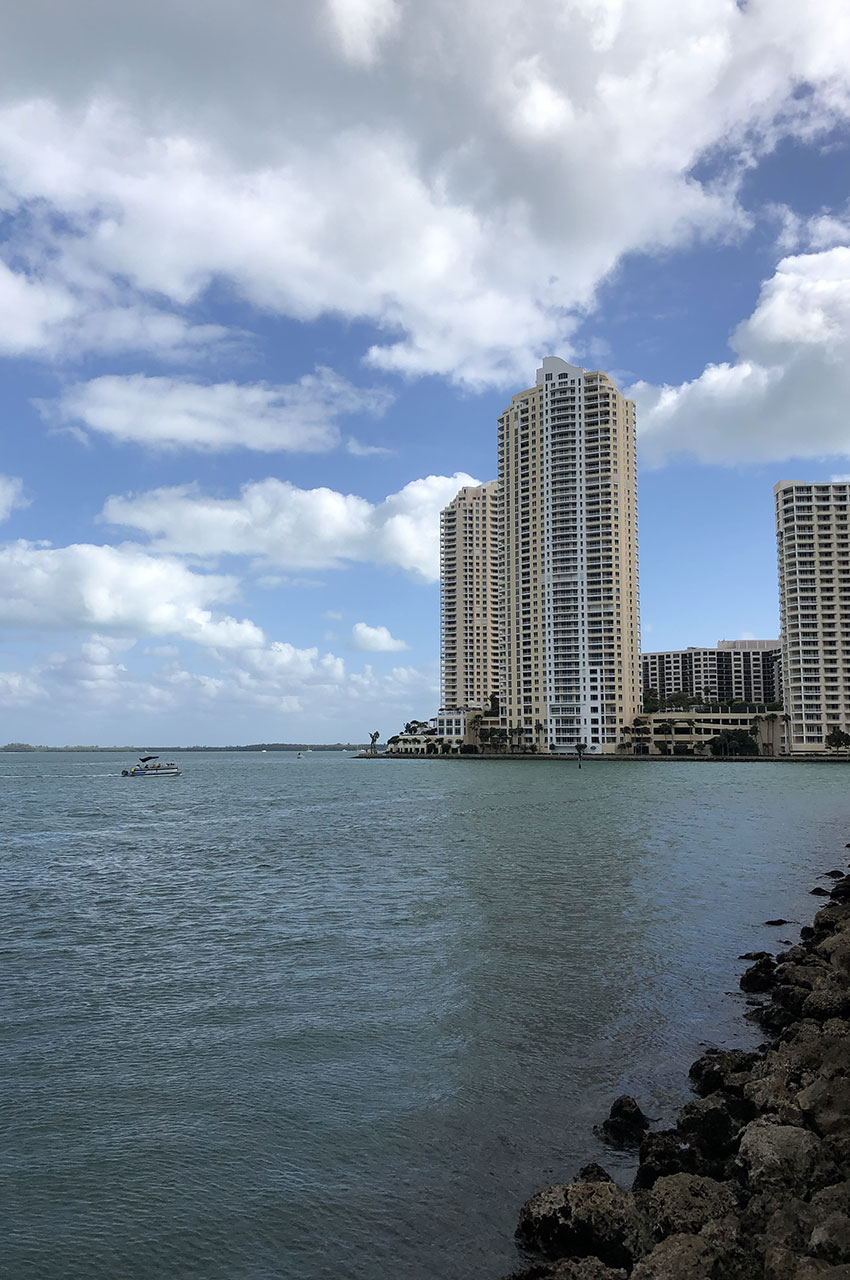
(753, 1183)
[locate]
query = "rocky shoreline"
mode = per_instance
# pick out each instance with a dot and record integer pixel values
(754, 1179)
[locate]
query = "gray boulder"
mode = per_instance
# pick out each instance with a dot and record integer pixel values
(713, 1124)
(781, 1157)
(584, 1219)
(626, 1124)
(826, 1105)
(726, 1069)
(662, 1153)
(829, 998)
(573, 1269)
(681, 1257)
(830, 1239)
(686, 1202)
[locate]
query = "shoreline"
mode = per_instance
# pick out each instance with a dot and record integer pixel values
(612, 759)
(753, 1180)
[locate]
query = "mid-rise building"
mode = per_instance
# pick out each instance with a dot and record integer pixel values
(470, 598)
(569, 570)
(813, 544)
(734, 671)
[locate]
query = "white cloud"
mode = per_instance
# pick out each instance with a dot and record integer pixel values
(273, 693)
(11, 495)
(785, 395)
(297, 528)
(29, 310)
(20, 688)
(120, 590)
(467, 196)
(51, 318)
(361, 26)
(177, 413)
(368, 639)
(358, 450)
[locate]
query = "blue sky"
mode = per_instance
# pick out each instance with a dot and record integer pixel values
(269, 273)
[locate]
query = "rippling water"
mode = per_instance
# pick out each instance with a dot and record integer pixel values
(329, 1018)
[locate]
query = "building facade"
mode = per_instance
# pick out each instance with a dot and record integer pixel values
(734, 671)
(569, 564)
(813, 547)
(665, 733)
(470, 598)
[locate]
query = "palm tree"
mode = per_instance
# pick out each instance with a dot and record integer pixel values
(581, 747)
(666, 727)
(640, 729)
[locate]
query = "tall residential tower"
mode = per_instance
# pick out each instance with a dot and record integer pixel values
(813, 544)
(569, 567)
(470, 604)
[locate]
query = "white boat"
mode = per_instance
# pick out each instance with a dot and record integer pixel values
(149, 767)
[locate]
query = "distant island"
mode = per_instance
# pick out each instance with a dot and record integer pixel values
(252, 746)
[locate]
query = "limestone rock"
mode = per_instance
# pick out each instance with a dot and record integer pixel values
(759, 976)
(685, 1202)
(593, 1173)
(725, 1069)
(829, 998)
(826, 1105)
(680, 1257)
(782, 1157)
(584, 1219)
(832, 1199)
(841, 890)
(810, 1269)
(573, 1269)
(830, 1239)
(836, 951)
(713, 1124)
(626, 1123)
(663, 1153)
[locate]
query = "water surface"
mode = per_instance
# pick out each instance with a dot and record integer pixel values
(333, 1018)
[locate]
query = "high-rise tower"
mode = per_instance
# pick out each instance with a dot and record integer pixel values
(470, 615)
(569, 571)
(813, 542)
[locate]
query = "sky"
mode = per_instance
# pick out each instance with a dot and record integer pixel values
(270, 271)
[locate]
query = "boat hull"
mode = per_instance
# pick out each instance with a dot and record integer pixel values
(150, 773)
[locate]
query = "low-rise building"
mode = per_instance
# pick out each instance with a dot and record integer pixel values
(690, 732)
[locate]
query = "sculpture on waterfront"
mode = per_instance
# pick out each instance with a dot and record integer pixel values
(373, 742)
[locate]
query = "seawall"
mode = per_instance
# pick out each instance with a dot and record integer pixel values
(611, 759)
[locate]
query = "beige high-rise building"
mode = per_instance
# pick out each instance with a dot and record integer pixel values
(569, 572)
(813, 543)
(470, 613)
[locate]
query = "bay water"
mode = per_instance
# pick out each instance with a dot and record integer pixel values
(331, 1018)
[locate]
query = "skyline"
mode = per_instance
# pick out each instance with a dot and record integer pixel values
(267, 285)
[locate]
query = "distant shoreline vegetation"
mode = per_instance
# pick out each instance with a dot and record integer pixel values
(254, 746)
